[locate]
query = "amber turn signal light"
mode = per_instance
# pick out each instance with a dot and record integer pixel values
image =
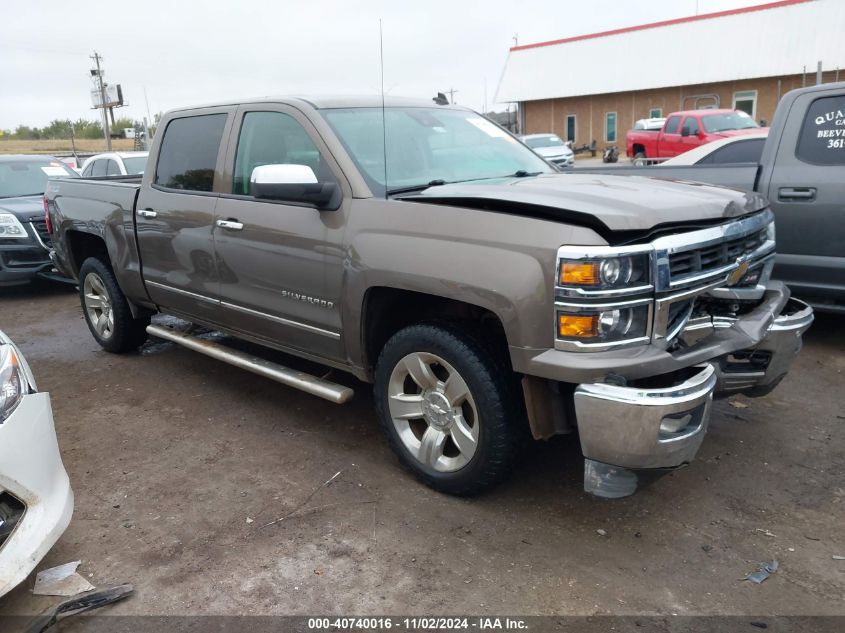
(577, 325)
(579, 273)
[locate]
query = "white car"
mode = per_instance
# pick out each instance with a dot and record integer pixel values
(36, 500)
(550, 147)
(746, 148)
(115, 164)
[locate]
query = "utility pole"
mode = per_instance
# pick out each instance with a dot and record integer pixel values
(102, 90)
(452, 92)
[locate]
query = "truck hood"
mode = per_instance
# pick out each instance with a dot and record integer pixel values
(602, 202)
(743, 132)
(23, 208)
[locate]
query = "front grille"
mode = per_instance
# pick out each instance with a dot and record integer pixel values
(710, 258)
(40, 227)
(24, 257)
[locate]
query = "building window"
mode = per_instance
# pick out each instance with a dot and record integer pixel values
(570, 127)
(747, 102)
(610, 127)
(655, 113)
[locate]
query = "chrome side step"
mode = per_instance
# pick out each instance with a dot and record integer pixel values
(298, 380)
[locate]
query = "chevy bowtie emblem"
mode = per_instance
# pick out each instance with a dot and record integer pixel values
(739, 273)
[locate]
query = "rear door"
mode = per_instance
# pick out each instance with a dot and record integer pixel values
(175, 213)
(807, 192)
(280, 264)
(669, 138)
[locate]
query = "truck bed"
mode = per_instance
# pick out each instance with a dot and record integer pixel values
(103, 207)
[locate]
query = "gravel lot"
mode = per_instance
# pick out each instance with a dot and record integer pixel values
(178, 461)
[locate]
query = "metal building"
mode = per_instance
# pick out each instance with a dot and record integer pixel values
(594, 87)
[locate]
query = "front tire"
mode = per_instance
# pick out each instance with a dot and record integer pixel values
(106, 309)
(449, 409)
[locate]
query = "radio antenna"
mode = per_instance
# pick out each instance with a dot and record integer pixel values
(383, 117)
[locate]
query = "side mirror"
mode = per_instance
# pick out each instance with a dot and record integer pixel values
(685, 131)
(293, 183)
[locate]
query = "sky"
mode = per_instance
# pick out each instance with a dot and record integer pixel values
(177, 53)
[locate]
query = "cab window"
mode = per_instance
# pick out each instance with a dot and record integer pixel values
(274, 138)
(112, 168)
(691, 123)
(744, 151)
(99, 168)
(822, 137)
(188, 154)
(672, 125)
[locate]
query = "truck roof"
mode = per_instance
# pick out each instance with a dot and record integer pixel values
(320, 102)
(704, 111)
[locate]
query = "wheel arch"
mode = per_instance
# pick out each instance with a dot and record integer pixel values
(386, 310)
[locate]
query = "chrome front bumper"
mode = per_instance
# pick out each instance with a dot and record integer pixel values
(645, 427)
(660, 422)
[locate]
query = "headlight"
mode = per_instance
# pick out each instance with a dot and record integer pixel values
(603, 324)
(13, 383)
(10, 227)
(604, 273)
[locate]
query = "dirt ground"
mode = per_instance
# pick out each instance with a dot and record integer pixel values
(179, 461)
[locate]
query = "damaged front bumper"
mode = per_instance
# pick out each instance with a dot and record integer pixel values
(660, 422)
(36, 500)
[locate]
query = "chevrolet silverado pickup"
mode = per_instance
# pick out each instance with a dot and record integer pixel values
(426, 250)
(683, 131)
(802, 172)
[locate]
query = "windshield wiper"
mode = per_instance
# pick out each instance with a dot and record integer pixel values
(521, 173)
(412, 188)
(23, 195)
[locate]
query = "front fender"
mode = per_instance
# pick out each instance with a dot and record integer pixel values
(513, 285)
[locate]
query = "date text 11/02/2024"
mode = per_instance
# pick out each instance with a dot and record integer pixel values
(418, 623)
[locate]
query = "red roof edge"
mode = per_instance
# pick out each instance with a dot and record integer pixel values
(652, 25)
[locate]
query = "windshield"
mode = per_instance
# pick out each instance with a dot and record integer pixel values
(135, 164)
(429, 144)
(27, 177)
(543, 141)
(729, 121)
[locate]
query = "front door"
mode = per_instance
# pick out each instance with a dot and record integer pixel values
(807, 193)
(280, 264)
(175, 214)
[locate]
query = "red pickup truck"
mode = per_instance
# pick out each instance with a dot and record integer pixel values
(685, 130)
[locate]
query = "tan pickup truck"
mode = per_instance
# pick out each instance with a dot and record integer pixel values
(424, 249)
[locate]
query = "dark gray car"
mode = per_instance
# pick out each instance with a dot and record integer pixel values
(24, 239)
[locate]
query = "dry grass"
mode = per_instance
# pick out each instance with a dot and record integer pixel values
(48, 146)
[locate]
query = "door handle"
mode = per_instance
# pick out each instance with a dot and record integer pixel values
(232, 225)
(797, 193)
(147, 213)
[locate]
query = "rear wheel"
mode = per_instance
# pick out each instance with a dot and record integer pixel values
(106, 309)
(449, 410)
